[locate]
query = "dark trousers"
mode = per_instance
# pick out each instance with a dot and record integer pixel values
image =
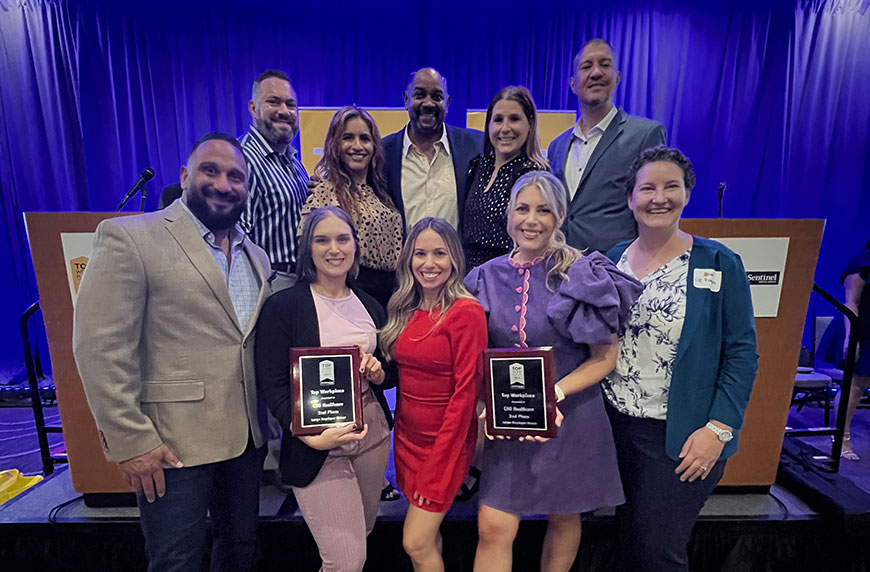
(656, 521)
(175, 524)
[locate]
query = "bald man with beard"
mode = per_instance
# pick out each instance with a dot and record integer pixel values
(427, 161)
(163, 339)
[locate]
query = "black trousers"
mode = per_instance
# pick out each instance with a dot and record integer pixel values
(656, 521)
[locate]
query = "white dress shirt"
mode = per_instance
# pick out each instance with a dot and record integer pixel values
(429, 189)
(582, 147)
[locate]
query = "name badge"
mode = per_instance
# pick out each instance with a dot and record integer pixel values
(708, 279)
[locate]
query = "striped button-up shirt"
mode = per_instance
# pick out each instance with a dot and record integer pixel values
(242, 280)
(277, 193)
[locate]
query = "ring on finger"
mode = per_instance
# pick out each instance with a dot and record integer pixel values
(704, 468)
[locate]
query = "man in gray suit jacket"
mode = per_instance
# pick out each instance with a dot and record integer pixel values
(592, 159)
(163, 340)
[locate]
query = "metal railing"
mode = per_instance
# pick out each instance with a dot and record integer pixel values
(839, 428)
(34, 373)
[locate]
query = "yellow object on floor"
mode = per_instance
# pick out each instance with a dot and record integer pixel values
(12, 482)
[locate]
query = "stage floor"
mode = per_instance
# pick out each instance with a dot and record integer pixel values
(34, 506)
(733, 530)
(735, 533)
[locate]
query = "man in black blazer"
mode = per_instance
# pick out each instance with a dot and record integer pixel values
(427, 161)
(593, 157)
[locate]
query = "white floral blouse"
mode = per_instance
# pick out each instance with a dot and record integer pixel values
(639, 384)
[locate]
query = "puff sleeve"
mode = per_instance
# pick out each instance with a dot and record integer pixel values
(594, 303)
(475, 282)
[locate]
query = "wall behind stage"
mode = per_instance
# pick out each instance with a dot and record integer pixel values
(772, 98)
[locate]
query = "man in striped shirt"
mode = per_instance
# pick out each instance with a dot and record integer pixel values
(276, 178)
(277, 192)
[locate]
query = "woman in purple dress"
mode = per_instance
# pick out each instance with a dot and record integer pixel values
(545, 293)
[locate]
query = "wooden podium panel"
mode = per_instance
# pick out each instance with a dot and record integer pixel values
(89, 470)
(551, 123)
(314, 122)
(779, 342)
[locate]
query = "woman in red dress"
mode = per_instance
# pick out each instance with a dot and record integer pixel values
(436, 333)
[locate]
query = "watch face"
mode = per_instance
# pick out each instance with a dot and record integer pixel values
(725, 436)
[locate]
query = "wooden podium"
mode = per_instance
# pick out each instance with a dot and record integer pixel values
(57, 277)
(779, 342)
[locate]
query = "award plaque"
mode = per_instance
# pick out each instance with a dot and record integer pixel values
(520, 399)
(325, 389)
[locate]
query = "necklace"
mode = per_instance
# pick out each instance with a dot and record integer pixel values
(658, 260)
(320, 290)
(659, 256)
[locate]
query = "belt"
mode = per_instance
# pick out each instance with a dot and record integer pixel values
(285, 267)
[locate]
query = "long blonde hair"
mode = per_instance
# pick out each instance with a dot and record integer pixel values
(409, 295)
(562, 255)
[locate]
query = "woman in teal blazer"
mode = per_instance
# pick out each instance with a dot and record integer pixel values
(685, 369)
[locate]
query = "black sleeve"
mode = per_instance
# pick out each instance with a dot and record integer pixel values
(859, 265)
(472, 174)
(272, 358)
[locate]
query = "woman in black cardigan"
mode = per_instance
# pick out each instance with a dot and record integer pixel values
(336, 476)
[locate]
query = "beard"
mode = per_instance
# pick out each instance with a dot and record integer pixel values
(198, 205)
(433, 122)
(272, 134)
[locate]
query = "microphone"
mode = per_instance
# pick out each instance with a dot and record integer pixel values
(147, 175)
(721, 193)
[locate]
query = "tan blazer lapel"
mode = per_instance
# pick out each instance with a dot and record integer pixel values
(265, 287)
(184, 230)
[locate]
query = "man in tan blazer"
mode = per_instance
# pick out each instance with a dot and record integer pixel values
(164, 343)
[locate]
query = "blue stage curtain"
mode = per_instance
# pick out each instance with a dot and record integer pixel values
(771, 97)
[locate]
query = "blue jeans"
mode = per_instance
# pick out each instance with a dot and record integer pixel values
(175, 524)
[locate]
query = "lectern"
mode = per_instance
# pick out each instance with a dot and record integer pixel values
(781, 296)
(60, 244)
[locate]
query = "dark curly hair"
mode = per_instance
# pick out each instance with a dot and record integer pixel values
(661, 153)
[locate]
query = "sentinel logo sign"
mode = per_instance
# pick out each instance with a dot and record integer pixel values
(764, 260)
(769, 278)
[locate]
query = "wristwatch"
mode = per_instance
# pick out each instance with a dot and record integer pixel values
(724, 434)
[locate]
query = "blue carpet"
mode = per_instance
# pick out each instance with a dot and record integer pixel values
(19, 448)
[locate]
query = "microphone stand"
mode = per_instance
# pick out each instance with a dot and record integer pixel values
(721, 193)
(126, 200)
(138, 186)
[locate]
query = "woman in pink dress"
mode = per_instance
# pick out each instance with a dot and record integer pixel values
(436, 333)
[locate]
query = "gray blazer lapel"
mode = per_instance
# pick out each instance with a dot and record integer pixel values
(613, 131)
(560, 154)
(185, 232)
